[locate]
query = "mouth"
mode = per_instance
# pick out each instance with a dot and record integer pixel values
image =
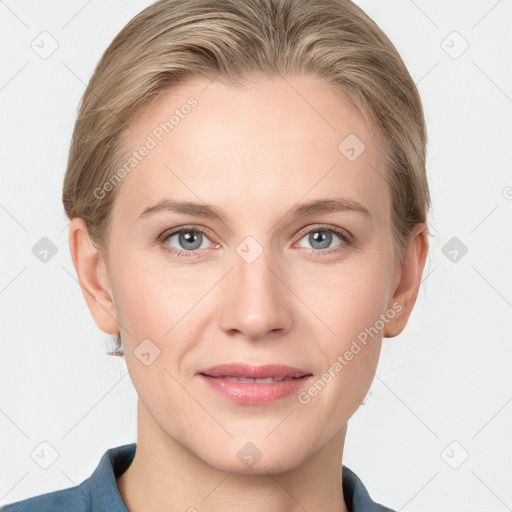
(277, 378)
(254, 385)
(247, 373)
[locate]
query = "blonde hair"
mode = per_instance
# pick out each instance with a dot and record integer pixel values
(236, 41)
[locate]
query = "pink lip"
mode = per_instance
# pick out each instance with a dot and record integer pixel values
(254, 393)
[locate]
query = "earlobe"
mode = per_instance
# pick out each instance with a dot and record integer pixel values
(396, 325)
(92, 276)
(411, 270)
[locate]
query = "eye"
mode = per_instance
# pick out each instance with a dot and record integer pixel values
(320, 238)
(189, 240)
(186, 240)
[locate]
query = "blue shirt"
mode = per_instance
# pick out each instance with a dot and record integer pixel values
(100, 493)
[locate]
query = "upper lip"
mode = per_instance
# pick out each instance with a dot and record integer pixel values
(254, 372)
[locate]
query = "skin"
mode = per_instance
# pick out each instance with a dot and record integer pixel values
(253, 152)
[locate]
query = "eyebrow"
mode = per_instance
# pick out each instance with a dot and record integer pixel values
(210, 211)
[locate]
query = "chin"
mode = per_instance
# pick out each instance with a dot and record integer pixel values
(258, 458)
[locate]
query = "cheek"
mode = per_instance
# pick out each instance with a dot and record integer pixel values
(347, 299)
(152, 298)
(350, 306)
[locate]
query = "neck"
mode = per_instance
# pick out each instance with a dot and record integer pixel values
(165, 476)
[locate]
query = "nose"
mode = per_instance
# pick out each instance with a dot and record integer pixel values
(256, 302)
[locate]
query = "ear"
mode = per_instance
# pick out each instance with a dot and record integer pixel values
(92, 276)
(408, 280)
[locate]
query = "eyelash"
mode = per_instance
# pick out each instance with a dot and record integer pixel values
(344, 235)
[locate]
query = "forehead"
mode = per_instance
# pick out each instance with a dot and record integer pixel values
(271, 141)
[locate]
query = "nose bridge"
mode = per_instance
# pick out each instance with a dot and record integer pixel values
(256, 301)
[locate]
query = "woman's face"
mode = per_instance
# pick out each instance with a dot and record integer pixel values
(256, 277)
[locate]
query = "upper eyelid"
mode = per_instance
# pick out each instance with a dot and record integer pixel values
(335, 229)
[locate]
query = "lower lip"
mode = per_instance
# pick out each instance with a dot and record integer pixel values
(253, 393)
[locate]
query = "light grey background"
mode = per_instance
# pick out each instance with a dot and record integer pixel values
(443, 390)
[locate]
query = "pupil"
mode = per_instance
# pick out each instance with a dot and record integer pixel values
(189, 237)
(324, 238)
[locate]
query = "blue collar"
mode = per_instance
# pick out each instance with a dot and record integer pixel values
(99, 492)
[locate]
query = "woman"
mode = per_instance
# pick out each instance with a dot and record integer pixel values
(247, 193)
